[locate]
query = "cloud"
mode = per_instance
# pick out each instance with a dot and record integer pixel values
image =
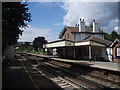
(111, 26)
(105, 13)
(30, 33)
(117, 29)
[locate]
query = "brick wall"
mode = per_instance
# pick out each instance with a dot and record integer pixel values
(114, 53)
(68, 35)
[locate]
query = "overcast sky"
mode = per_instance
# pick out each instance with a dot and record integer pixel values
(49, 18)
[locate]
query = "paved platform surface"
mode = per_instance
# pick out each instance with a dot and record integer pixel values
(15, 76)
(98, 64)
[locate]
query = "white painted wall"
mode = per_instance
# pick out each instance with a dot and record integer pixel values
(58, 44)
(82, 36)
(101, 36)
(55, 44)
(78, 37)
(82, 43)
(109, 53)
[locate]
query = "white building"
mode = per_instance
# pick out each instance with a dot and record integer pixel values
(81, 42)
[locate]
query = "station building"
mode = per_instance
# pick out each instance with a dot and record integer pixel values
(80, 42)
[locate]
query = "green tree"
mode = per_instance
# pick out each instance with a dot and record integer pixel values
(14, 18)
(26, 47)
(107, 37)
(38, 43)
(112, 36)
(27, 44)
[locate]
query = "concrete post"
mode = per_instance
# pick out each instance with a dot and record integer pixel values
(90, 53)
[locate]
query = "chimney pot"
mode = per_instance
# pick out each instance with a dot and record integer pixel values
(80, 19)
(81, 26)
(95, 26)
(75, 24)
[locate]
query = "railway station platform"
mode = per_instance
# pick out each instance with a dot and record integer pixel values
(16, 76)
(97, 64)
(114, 66)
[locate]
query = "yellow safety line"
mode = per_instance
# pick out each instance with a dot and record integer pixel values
(31, 78)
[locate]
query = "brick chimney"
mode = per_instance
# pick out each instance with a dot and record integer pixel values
(81, 26)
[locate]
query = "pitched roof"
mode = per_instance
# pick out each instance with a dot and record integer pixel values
(73, 29)
(114, 43)
(76, 29)
(95, 39)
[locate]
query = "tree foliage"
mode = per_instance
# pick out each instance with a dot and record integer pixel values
(61, 33)
(25, 47)
(38, 43)
(112, 36)
(14, 17)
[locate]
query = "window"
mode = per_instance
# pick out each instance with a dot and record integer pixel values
(117, 51)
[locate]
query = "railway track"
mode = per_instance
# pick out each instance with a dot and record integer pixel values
(77, 73)
(67, 73)
(63, 82)
(68, 81)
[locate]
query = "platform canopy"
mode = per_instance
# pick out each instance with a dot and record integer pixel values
(59, 43)
(89, 43)
(92, 41)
